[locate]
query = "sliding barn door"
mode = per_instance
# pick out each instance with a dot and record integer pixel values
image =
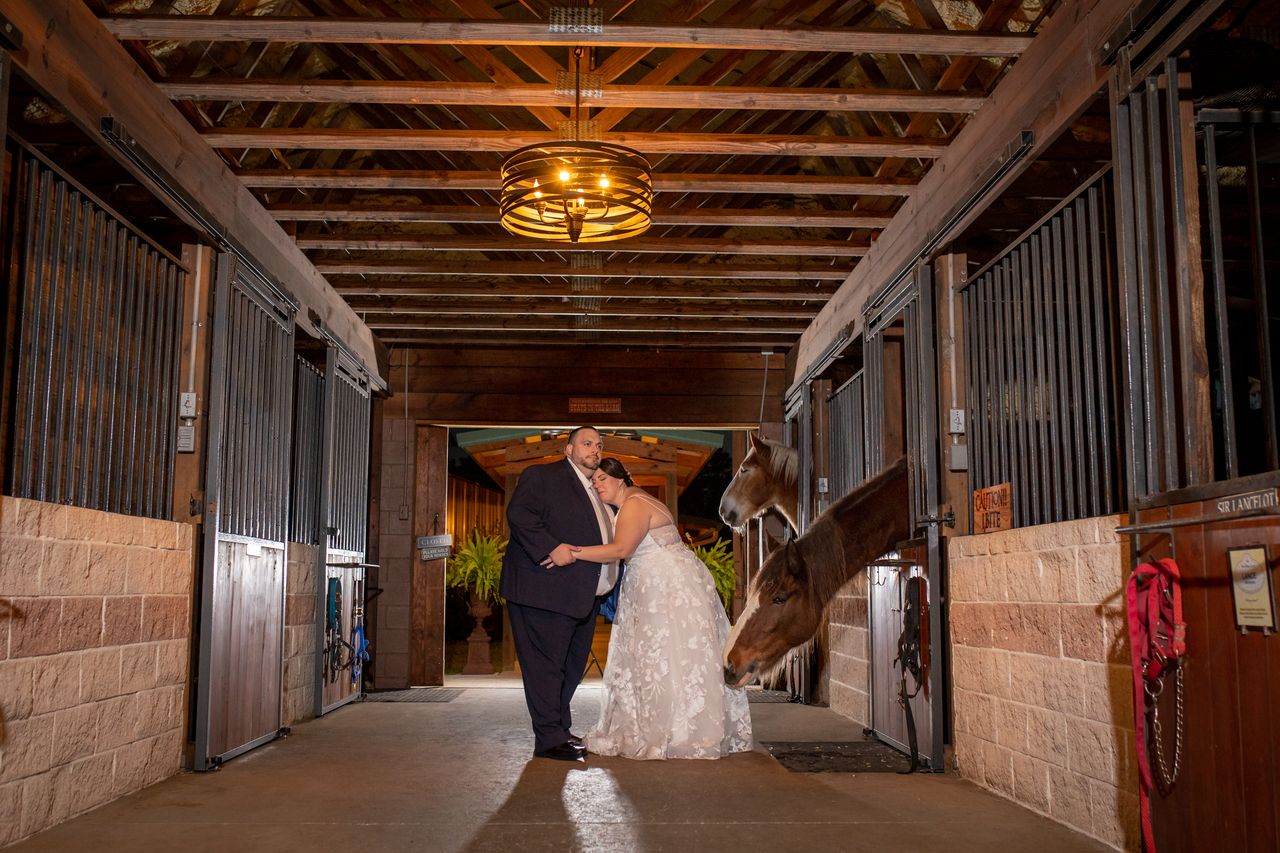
(246, 517)
(901, 371)
(344, 509)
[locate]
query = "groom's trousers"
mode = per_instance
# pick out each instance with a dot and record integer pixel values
(553, 650)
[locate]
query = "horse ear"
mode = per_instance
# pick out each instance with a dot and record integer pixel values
(758, 443)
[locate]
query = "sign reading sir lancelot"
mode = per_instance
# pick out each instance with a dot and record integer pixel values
(992, 509)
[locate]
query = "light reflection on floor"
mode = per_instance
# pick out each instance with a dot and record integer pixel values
(593, 797)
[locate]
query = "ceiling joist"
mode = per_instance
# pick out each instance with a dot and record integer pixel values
(265, 28)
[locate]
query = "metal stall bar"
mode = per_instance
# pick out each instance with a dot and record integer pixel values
(1102, 257)
(1041, 393)
(308, 434)
(1262, 316)
(1160, 330)
(1223, 339)
(91, 414)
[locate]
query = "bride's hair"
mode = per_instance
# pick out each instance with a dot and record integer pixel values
(615, 469)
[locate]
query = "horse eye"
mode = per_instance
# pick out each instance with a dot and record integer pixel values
(780, 599)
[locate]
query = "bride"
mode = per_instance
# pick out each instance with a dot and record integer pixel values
(664, 690)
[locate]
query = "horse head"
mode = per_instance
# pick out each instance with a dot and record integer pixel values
(766, 479)
(792, 589)
(783, 611)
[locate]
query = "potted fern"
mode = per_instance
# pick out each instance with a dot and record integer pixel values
(476, 566)
(718, 559)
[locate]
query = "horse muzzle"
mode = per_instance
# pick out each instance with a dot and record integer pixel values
(739, 677)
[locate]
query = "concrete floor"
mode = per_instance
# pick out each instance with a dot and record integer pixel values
(458, 776)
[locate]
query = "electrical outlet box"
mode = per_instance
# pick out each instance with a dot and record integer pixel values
(822, 485)
(186, 439)
(958, 457)
(955, 424)
(187, 404)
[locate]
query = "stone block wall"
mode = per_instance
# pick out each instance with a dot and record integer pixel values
(395, 554)
(1043, 706)
(848, 665)
(300, 633)
(95, 625)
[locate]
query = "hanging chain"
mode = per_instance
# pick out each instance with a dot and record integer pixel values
(1164, 778)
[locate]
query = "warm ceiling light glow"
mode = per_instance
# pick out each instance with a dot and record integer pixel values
(580, 208)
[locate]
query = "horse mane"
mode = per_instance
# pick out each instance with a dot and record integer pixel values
(784, 462)
(855, 530)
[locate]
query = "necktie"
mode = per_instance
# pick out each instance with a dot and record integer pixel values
(608, 571)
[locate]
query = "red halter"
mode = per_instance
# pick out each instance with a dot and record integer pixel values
(1157, 642)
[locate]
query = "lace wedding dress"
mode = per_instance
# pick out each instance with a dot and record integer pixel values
(664, 690)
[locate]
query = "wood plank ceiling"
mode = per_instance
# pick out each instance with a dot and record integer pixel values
(783, 135)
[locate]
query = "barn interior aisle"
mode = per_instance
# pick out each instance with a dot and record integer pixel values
(457, 776)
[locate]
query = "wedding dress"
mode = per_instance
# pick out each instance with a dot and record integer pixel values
(664, 691)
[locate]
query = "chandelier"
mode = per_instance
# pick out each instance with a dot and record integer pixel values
(576, 191)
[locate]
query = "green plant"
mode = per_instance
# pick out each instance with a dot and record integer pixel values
(718, 559)
(476, 564)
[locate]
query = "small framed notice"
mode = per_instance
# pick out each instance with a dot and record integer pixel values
(992, 509)
(1251, 587)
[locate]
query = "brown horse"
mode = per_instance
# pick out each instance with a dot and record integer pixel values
(792, 589)
(768, 478)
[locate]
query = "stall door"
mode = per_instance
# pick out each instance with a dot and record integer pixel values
(241, 631)
(344, 509)
(902, 418)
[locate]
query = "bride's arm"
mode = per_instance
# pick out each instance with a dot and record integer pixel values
(629, 528)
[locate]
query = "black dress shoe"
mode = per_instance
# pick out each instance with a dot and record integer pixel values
(575, 740)
(566, 751)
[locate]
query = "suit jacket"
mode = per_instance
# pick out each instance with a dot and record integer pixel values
(550, 506)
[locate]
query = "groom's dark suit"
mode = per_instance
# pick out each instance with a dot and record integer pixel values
(552, 611)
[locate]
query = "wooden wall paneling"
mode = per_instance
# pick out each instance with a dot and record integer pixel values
(1227, 795)
(950, 275)
(426, 596)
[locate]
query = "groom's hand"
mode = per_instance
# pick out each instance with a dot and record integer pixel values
(562, 556)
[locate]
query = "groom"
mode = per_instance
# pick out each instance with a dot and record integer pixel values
(553, 610)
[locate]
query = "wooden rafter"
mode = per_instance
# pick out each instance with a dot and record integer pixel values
(205, 28)
(641, 245)
(429, 305)
(801, 270)
(687, 292)
(381, 139)
(596, 322)
(796, 218)
(414, 179)
(531, 95)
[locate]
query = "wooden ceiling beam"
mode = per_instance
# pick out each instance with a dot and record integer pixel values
(394, 139)
(643, 245)
(432, 305)
(413, 179)
(205, 28)
(798, 270)
(780, 218)
(589, 322)
(457, 287)
(1042, 93)
(560, 338)
(538, 95)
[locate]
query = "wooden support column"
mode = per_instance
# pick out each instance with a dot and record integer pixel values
(426, 591)
(193, 370)
(820, 444)
(951, 275)
(508, 639)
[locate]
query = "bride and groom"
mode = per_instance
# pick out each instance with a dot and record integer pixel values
(664, 692)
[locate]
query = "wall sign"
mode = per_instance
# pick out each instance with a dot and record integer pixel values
(434, 547)
(1261, 499)
(992, 509)
(1251, 588)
